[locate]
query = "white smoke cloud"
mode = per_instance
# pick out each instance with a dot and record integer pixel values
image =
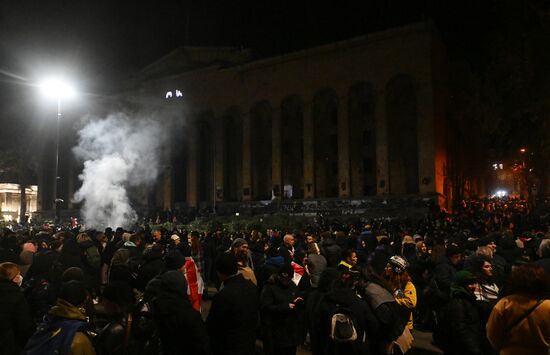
(119, 152)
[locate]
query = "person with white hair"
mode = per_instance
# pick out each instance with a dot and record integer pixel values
(543, 253)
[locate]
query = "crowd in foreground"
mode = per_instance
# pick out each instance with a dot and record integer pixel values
(478, 279)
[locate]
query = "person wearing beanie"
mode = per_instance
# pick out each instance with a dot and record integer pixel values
(460, 330)
(233, 315)
(67, 320)
(73, 274)
(282, 313)
(401, 285)
(447, 267)
(180, 260)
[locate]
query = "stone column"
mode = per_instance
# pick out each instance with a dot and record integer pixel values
(382, 165)
(276, 155)
(426, 139)
(192, 165)
(343, 148)
(309, 151)
(217, 125)
(247, 159)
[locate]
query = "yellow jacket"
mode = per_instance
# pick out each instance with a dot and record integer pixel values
(81, 345)
(408, 300)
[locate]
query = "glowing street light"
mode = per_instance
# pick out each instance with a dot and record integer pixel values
(59, 90)
(523, 150)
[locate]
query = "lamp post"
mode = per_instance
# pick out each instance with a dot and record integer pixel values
(58, 90)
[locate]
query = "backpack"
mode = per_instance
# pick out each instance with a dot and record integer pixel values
(392, 318)
(54, 336)
(342, 329)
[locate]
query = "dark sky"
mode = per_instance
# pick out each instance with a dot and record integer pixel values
(102, 41)
(99, 43)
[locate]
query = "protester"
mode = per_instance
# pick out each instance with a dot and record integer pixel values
(282, 313)
(65, 329)
(519, 323)
(16, 323)
(233, 315)
(180, 326)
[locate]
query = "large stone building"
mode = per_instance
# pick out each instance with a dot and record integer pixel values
(356, 118)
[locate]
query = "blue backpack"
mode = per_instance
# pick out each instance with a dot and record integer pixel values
(54, 336)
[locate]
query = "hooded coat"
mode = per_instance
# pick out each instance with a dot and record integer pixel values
(180, 326)
(233, 317)
(365, 322)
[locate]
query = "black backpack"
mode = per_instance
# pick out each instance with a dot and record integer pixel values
(342, 328)
(54, 336)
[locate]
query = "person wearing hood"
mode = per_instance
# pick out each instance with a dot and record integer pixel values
(330, 250)
(16, 323)
(42, 283)
(343, 296)
(152, 265)
(282, 313)
(460, 330)
(272, 264)
(233, 314)
(67, 320)
(180, 326)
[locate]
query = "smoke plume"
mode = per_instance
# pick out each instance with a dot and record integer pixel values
(118, 152)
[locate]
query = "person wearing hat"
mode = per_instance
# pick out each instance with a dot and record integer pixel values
(400, 283)
(233, 315)
(175, 240)
(181, 261)
(447, 267)
(282, 313)
(460, 330)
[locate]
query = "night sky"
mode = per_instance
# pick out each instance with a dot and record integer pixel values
(99, 43)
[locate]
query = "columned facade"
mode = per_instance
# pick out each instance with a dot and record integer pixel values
(347, 120)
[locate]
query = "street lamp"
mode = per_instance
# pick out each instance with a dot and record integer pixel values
(57, 89)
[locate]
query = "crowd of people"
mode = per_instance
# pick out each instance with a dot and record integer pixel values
(478, 278)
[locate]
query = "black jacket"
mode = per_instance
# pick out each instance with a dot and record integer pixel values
(444, 273)
(151, 266)
(331, 251)
(233, 317)
(180, 326)
(363, 318)
(16, 324)
(463, 326)
(281, 326)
